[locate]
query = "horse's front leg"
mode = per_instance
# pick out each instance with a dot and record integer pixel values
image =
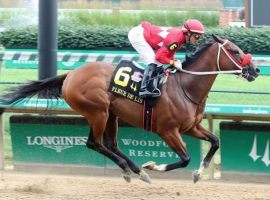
(176, 143)
(200, 132)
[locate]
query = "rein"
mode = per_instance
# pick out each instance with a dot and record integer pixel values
(245, 61)
(188, 97)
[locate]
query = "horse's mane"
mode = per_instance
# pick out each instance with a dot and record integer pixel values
(191, 58)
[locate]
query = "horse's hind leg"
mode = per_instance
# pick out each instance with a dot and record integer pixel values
(110, 141)
(95, 142)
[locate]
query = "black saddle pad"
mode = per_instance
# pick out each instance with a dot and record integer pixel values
(126, 80)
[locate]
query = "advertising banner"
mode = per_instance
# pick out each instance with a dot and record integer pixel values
(62, 140)
(245, 147)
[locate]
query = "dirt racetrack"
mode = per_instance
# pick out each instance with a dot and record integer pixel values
(26, 186)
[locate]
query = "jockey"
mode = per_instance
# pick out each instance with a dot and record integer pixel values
(157, 46)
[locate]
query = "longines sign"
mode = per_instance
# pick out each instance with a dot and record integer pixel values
(57, 143)
(65, 143)
(61, 143)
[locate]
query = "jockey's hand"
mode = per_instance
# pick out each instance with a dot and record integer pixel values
(178, 64)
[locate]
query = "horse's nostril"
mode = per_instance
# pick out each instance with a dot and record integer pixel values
(258, 70)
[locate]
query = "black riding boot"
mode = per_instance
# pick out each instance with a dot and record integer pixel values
(148, 89)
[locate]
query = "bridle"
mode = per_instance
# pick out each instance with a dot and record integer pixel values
(246, 60)
(240, 65)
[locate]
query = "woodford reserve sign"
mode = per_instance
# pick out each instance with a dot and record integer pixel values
(61, 140)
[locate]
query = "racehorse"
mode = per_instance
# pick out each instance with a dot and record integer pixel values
(179, 110)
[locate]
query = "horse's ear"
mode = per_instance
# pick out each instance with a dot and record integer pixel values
(216, 38)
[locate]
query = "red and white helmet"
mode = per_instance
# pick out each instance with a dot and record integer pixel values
(194, 26)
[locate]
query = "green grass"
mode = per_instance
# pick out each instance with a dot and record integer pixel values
(86, 18)
(231, 83)
(223, 82)
(170, 18)
(21, 75)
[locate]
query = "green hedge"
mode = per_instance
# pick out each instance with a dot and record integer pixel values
(104, 37)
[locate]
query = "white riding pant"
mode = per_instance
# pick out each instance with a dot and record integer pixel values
(139, 43)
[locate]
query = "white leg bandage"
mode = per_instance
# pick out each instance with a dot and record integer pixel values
(201, 169)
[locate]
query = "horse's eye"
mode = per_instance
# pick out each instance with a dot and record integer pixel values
(235, 52)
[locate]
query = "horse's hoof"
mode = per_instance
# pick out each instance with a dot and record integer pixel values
(127, 176)
(195, 176)
(144, 177)
(149, 165)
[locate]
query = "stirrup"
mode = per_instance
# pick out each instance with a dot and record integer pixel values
(156, 92)
(146, 94)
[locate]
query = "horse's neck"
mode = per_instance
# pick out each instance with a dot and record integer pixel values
(197, 87)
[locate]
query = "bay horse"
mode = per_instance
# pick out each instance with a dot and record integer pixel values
(179, 110)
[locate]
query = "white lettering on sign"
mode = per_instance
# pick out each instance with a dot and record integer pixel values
(143, 143)
(24, 62)
(154, 154)
(147, 153)
(57, 143)
(255, 111)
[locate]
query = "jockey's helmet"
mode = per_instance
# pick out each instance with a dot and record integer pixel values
(194, 26)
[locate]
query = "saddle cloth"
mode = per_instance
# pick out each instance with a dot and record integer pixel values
(126, 80)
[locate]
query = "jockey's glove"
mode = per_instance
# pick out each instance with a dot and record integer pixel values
(178, 64)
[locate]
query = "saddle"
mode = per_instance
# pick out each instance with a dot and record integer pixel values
(126, 82)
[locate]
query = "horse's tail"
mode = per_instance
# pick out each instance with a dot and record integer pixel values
(50, 88)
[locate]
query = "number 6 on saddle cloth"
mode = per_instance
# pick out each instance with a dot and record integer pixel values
(126, 82)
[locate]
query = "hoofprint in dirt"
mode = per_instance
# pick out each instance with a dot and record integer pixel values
(17, 185)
